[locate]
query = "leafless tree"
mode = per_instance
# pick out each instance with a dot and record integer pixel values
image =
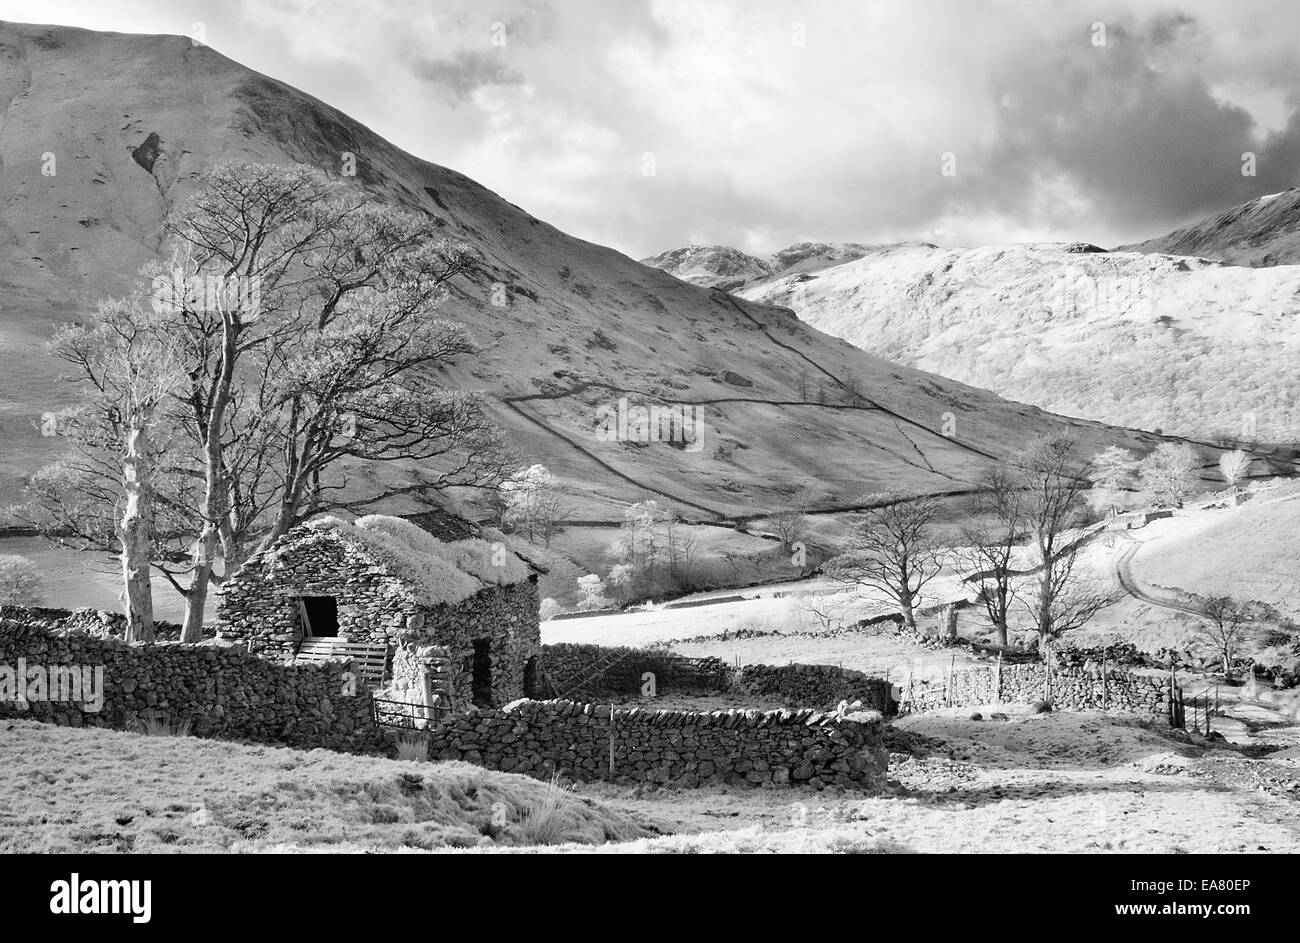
(1169, 474)
(989, 543)
(790, 523)
(320, 346)
(894, 552)
(1234, 466)
(1054, 483)
(1225, 628)
(127, 364)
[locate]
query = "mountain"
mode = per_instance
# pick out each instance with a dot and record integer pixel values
(1184, 345)
(122, 124)
(732, 270)
(1261, 233)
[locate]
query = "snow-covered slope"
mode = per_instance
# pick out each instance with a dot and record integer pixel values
(732, 270)
(1184, 345)
(1263, 232)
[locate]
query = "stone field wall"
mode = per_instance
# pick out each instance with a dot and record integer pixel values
(224, 692)
(1083, 688)
(687, 748)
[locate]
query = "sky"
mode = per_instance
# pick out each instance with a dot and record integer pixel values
(760, 123)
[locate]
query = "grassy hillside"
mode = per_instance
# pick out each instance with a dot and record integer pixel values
(94, 790)
(1263, 232)
(132, 119)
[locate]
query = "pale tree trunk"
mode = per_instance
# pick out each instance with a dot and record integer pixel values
(214, 494)
(905, 607)
(136, 537)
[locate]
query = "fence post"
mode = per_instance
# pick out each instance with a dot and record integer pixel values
(997, 681)
(952, 680)
(611, 736)
(1105, 684)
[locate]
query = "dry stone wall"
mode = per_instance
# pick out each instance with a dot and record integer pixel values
(224, 692)
(1084, 688)
(596, 671)
(687, 748)
(97, 622)
(821, 686)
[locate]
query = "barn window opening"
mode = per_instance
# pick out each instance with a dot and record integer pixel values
(482, 673)
(320, 616)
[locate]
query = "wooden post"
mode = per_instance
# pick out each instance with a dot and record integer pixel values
(611, 737)
(1105, 684)
(952, 680)
(997, 681)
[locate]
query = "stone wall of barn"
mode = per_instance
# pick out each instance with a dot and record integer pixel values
(259, 608)
(258, 605)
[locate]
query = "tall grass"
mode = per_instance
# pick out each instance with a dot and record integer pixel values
(548, 820)
(412, 746)
(158, 724)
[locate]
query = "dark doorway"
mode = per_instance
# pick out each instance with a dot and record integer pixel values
(320, 616)
(482, 684)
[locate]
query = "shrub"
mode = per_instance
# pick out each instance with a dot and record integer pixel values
(20, 581)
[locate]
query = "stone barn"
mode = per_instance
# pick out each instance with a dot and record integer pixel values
(451, 622)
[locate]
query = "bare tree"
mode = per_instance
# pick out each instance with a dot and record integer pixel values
(790, 523)
(894, 552)
(1114, 471)
(1169, 474)
(1225, 628)
(989, 544)
(128, 365)
(534, 504)
(1234, 466)
(1054, 483)
(304, 316)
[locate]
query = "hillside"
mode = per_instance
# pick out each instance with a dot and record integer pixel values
(731, 270)
(1184, 345)
(1263, 232)
(132, 119)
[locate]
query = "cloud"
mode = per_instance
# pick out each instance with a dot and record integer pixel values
(466, 72)
(773, 121)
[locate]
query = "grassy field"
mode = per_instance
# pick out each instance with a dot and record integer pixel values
(94, 790)
(1078, 783)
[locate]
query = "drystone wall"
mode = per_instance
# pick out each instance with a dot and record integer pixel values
(97, 622)
(221, 691)
(1085, 688)
(596, 671)
(687, 748)
(820, 686)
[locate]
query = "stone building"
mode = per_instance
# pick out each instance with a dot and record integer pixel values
(451, 621)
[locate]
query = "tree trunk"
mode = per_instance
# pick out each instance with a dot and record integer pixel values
(905, 607)
(1000, 627)
(135, 532)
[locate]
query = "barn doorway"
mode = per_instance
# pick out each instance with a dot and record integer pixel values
(319, 615)
(481, 687)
